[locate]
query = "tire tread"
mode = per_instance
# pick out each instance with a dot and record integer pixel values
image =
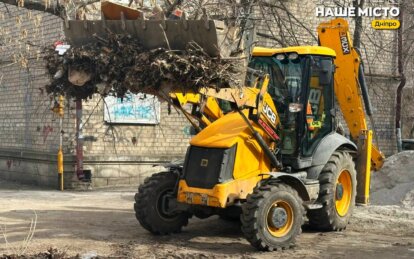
(249, 217)
(326, 217)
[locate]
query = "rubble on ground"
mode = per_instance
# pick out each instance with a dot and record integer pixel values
(51, 253)
(394, 183)
(119, 64)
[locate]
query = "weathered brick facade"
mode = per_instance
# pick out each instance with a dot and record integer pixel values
(123, 154)
(29, 131)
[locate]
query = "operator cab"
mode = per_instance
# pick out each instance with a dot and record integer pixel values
(301, 86)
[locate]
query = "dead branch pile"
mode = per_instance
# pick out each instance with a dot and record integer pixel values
(120, 64)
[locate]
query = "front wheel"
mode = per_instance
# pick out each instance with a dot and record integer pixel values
(151, 205)
(272, 217)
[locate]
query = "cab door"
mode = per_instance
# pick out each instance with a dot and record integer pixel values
(319, 104)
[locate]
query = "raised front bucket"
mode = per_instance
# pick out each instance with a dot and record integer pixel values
(212, 36)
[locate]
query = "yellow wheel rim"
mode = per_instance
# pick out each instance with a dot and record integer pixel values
(343, 193)
(285, 218)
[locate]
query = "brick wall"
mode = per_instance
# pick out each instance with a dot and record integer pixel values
(408, 95)
(169, 137)
(29, 131)
(127, 151)
(26, 122)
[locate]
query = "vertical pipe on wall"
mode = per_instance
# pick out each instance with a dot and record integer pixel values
(79, 141)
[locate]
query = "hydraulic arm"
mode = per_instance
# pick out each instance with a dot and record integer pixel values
(261, 110)
(205, 109)
(351, 92)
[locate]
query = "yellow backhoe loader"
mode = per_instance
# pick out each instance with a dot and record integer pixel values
(269, 153)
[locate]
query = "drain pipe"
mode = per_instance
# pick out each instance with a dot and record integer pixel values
(79, 136)
(79, 141)
(401, 85)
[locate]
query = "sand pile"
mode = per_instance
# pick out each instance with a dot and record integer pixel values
(394, 183)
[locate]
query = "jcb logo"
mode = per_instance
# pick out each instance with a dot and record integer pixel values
(269, 113)
(204, 162)
(344, 43)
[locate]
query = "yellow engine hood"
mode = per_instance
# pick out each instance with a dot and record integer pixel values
(223, 133)
(229, 131)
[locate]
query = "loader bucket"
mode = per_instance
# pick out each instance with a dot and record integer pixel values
(113, 11)
(212, 36)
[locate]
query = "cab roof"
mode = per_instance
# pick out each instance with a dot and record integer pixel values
(301, 50)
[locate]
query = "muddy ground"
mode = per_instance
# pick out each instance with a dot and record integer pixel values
(102, 222)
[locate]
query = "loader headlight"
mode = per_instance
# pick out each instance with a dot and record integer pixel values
(293, 56)
(280, 57)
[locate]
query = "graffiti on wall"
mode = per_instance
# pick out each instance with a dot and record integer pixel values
(132, 109)
(46, 131)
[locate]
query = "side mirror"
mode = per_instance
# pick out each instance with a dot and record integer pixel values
(326, 72)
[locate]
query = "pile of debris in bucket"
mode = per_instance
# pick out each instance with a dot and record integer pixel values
(119, 63)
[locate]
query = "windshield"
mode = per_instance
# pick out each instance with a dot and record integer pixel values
(285, 85)
(285, 88)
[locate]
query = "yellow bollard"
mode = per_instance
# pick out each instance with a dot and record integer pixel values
(58, 109)
(60, 168)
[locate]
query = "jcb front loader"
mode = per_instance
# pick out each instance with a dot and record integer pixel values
(268, 153)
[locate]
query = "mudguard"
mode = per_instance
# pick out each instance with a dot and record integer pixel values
(307, 190)
(325, 149)
(174, 166)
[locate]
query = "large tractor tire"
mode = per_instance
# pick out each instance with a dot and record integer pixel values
(272, 217)
(151, 206)
(337, 193)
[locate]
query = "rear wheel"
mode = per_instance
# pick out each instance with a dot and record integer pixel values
(272, 217)
(337, 193)
(151, 205)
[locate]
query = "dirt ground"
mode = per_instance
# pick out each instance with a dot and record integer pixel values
(102, 222)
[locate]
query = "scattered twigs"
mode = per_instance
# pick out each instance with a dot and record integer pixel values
(24, 244)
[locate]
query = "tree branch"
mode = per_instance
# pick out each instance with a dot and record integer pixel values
(34, 5)
(39, 5)
(358, 24)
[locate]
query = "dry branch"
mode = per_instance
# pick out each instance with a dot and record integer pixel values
(119, 64)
